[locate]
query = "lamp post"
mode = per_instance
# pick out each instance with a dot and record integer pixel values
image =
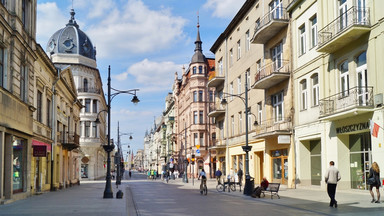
(108, 193)
(119, 155)
(248, 187)
(185, 159)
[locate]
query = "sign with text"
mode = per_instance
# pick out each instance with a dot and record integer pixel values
(39, 151)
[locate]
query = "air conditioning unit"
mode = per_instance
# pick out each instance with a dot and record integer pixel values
(378, 100)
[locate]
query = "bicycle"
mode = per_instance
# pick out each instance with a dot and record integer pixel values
(203, 187)
(222, 187)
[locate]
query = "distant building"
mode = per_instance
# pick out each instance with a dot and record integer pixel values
(71, 47)
(194, 130)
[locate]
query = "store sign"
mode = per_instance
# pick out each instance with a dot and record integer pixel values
(352, 128)
(39, 151)
(284, 139)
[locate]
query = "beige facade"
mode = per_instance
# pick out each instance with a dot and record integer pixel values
(336, 81)
(17, 45)
(257, 43)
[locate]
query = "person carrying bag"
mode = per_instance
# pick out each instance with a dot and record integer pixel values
(374, 181)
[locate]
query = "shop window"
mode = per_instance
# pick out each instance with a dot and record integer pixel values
(19, 155)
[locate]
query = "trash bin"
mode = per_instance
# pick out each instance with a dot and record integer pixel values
(249, 185)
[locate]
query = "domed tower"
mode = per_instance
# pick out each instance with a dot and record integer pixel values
(71, 47)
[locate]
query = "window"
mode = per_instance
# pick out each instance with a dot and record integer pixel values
(240, 123)
(194, 117)
(239, 85)
(313, 22)
(302, 40)
(24, 83)
(87, 105)
(258, 65)
(221, 72)
(221, 129)
(247, 41)
(258, 23)
(195, 96)
(276, 8)
(231, 90)
(344, 79)
(277, 56)
(259, 112)
(200, 96)
(200, 69)
(210, 96)
(94, 130)
(238, 50)
(194, 70)
(3, 71)
(39, 106)
(250, 123)
(248, 73)
(94, 109)
(202, 139)
(231, 57)
(85, 85)
(277, 103)
(87, 128)
(201, 117)
(315, 89)
(303, 88)
(232, 125)
(195, 139)
(362, 79)
(24, 12)
(49, 113)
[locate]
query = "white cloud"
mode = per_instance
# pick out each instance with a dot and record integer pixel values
(153, 76)
(224, 8)
(135, 29)
(49, 19)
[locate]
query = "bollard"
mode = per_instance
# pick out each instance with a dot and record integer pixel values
(119, 194)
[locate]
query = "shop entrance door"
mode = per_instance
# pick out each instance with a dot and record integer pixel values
(360, 159)
(280, 166)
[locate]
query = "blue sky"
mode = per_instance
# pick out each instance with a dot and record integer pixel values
(145, 42)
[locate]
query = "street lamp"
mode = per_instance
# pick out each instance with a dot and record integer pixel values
(248, 187)
(108, 193)
(119, 155)
(185, 157)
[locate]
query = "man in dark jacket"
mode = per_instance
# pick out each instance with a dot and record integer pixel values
(240, 175)
(218, 175)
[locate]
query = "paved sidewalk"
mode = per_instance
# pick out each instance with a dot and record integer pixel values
(86, 199)
(355, 198)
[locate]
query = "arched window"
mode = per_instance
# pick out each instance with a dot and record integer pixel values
(85, 85)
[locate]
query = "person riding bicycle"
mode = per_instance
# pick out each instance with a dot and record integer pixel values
(203, 179)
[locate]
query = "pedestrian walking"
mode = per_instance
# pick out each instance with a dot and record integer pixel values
(331, 178)
(240, 175)
(374, 181)
(130, 173)
(218, 175)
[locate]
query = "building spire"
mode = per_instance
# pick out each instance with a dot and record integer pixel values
(72, 21)
(198, 56)
(198, 40)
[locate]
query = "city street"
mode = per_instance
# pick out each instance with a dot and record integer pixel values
(156, 197)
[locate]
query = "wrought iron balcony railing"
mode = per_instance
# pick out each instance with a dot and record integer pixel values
(352, 98)
(352, 17)
(273, 126)
(69, 141)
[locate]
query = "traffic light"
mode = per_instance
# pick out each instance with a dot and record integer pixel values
(193, 159)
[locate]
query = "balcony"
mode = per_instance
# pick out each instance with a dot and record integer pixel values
(69, 141)
(89, 90)
(345, 29)
(216, 110)
(216, 79)
(272, 127)
(348, 103)
(270, 25)
(272, 74)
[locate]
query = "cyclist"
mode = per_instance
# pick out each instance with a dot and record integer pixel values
(203, 180)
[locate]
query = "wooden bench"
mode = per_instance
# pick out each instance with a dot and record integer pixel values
(273, 188)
